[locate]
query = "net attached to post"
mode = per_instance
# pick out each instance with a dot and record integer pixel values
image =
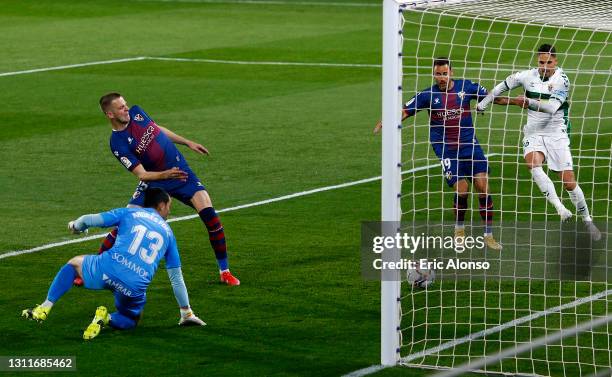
(524, 294)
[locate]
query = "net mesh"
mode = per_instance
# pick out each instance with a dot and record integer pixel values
(459, 319)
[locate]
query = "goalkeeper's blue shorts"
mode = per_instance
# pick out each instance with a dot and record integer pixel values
(176, 188)
(463, 163)
(127, 301)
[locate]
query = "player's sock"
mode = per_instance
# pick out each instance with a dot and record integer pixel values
(121, 322)
(62, 283)
(109, 241)
(577, 197)
(485, 204)
(216, 236)
(546, 186)
(461, 203)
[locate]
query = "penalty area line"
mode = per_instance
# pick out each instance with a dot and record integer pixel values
(192, 60)
(69, 66)
(229, 209)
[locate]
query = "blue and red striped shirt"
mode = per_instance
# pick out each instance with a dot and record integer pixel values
(143, 142)
(450, 115)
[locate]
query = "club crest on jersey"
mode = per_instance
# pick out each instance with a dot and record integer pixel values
(138, 118)
(550, 87)
(436, 100)
(130, 139)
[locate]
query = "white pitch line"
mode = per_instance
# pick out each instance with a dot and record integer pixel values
(193, 60)
(246, 62)
(272, 2)
(235, 208)
(60, 67)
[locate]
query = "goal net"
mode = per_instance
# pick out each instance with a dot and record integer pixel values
(526, 292)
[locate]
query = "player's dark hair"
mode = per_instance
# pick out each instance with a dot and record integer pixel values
(547, 49)
(154, 196)
(442, 60)
(106, 100)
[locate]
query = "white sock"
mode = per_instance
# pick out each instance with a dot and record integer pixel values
(47, 304)
(577, 197)
(546, 186)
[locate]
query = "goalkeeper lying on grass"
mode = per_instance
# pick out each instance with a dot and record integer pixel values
(127, 268)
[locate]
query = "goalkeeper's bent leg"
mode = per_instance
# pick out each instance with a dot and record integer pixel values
(61, 284)
(121, 322)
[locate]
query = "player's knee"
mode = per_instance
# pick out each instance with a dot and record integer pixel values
(481, 185)
(201, 200)
(569, 186)
(76, 261)
(462, 187)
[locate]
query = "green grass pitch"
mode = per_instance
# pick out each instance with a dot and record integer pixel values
(272, 130)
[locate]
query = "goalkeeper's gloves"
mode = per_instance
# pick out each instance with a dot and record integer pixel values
(72, 228)
(188, 318)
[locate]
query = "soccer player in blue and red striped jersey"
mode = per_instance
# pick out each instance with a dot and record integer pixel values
(148, 151)
(452, 137)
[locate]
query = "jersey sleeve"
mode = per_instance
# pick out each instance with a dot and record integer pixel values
(476, 91)
(417, 103)
(515, 80)
(560, 88)
(138, 115)
(113, 217)
(173, 260)
(124, 155)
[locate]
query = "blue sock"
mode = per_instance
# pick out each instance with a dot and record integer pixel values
(62, 283)
(121, 322)
(223, 264)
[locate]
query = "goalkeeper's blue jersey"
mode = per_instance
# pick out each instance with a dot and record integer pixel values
(450, 115)
(143, 142)
(143, 239)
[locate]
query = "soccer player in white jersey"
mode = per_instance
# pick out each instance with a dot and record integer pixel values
(546, 132)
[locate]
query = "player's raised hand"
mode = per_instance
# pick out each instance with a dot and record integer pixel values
(378, 127)
(198, 148)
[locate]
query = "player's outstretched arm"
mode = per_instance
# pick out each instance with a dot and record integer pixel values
(511, 82)
(188, 318)
(98, 220)
(550, 107)
(83, 223)
(518, 101)
(378, 126)
(144, 175)
(198, 148)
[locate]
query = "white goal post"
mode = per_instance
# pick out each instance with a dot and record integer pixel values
(486, 41)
